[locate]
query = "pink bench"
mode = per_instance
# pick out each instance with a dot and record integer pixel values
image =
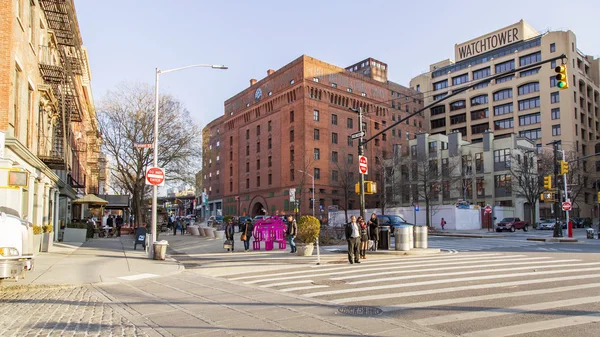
(269, 230)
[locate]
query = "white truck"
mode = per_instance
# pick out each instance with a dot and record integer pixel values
(16, 246)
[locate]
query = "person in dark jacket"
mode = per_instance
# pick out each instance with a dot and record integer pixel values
(229, 232)
(374, 230)
(247, 228)
(292, 230)
(352, 231)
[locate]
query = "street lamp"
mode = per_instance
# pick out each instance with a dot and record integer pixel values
(313, 213)
(155, 162)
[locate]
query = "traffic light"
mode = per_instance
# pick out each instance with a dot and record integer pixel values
(548, 182)
(562, 79)
(598, 198)
(564, 167)
(357, 188)
(370, 187)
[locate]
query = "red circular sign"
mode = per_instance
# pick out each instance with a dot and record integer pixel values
(488, 209)
(155, 176)
(362, 165)
(566, 206)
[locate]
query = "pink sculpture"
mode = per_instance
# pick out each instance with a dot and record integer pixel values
(269, 230)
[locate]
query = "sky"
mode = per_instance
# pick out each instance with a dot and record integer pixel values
(128, 39)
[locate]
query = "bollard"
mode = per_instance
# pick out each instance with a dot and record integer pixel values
(420, 236)
(402, 236)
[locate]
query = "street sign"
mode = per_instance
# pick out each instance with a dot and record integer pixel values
(566, 206)
(488, 209)
(362, 165)
(155, 176)
(142, 145)
(357, 134)
(416, 208)
(292, 195)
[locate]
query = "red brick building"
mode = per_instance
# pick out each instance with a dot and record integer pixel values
(298, 118)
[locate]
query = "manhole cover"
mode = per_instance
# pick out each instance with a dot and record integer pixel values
(360, 310)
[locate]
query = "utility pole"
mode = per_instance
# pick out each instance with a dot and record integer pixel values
(564, 160)
(558, 198)
(361, 152)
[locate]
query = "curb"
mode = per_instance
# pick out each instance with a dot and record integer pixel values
(556, 240)
(477, 236)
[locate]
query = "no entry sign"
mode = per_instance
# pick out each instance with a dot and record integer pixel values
(155, 176)
(362, 165)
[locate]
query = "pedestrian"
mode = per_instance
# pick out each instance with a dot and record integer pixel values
(374, 230)
(246, 229)
(119, 223)
(292, 230)
(352, 231)
(364, 238)
(109, 221)
(443, 223)
(176, 226)
(229, 233)
(182, 225)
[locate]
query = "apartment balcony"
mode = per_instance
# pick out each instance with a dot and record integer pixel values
(51, 68)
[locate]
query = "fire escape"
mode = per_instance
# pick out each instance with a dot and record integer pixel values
(61, 76)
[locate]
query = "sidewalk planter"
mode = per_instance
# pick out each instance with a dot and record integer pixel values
(47, 241)
(37, 243)
(210, 232)
(305, 249)
(201, 231)
(220, 234)
(193, 230)
(75, 235)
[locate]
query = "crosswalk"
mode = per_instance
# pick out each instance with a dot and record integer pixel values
(477, 244)
(481, 294)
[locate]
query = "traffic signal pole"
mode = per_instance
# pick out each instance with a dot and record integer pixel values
(564, 161)
(361, 152)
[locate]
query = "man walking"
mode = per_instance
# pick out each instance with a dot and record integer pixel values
(292, 230)
(353, 237)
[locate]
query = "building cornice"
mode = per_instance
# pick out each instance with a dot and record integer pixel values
(32, 159)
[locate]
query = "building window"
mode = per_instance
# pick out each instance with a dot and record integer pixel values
(350, 123)
(503, 185)
(554, 97)
(505, 79)
(461, 118)
(363, 94)
(247, 134)
(531, 58)
(477, 100)
(437, 123)
(503, 109)
(553, 81)
(292, 174)
(247, 166)
(333, 119)
(258, 130)
(457, 80)
(270, 161)
(247, 150)
(257, 147)
(349, 90)
(481, 73)
(292, 155)
(334, 175)
(258, 181)
(531, 134)
(457, 105)
(334, 138)
(501, 157)
(350, 158)
(438, 97)
(269, 143)
(479, 162)
(292, 116)
(502, 94)
(530, 119)
(316, 115)
(437, 110)
(269, 126)
(334, 85)
(552, 47)
(530, 72)
(479, 114)
(555, 113)
(556, 130)
(258, 164)
(440, 85)
(479, 128)
(317, 154)
(481, 85)
(316, 134)
(480, 187)
(334, 156)
(292, 82)
(530, 103)
(247, 183)
(270, 179)
(505, 66)
(529, 88)
(503, 124)
(291, 135)
(317, 173)
(350, 142)
(315, 79)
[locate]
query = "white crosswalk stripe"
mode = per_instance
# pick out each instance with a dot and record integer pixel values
(477, 244)
(460, 289)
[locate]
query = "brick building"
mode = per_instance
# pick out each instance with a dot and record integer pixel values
(47, 114)
(298, 119)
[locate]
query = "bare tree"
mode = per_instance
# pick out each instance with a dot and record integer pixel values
(126, 117)
(528, 171)
(576, 180)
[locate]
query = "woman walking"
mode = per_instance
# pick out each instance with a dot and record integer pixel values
(364, 237)
(374, 230)
(246, 229)
(229, 233)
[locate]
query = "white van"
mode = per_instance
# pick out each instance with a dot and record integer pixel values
(16, 246)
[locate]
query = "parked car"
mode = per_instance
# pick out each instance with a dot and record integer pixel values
(393, 221)
(243, 219)
(512, 224)
(577, 222)
(215, 220)
(546, 224)
(260, 217)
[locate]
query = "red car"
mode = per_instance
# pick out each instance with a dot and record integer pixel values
(512, 224)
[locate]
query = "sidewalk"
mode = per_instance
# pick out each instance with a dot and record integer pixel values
(95, 261)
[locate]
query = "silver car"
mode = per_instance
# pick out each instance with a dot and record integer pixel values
(547, 224)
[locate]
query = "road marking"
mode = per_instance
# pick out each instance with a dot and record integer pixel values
(372, 264)
(454, 289)
(536, 326)
(416, 305)
(463, 316)
(137, 277)
(386, 267)
(303, 288)
(284, 283)
(387, 272)
(455, 280)
(469, 272)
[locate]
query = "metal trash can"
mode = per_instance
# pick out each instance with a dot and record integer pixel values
(403, 235)
(160, 250)
(420, 236)
(384, 238)
(590, 233)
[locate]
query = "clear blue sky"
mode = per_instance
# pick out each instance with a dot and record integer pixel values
(127, 39)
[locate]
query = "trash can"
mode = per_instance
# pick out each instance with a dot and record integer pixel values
(403, 237)
(590, 233)
(420, 236)
(384, 238)
(160, 250)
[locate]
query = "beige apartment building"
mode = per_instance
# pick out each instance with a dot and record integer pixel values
(526, 103)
